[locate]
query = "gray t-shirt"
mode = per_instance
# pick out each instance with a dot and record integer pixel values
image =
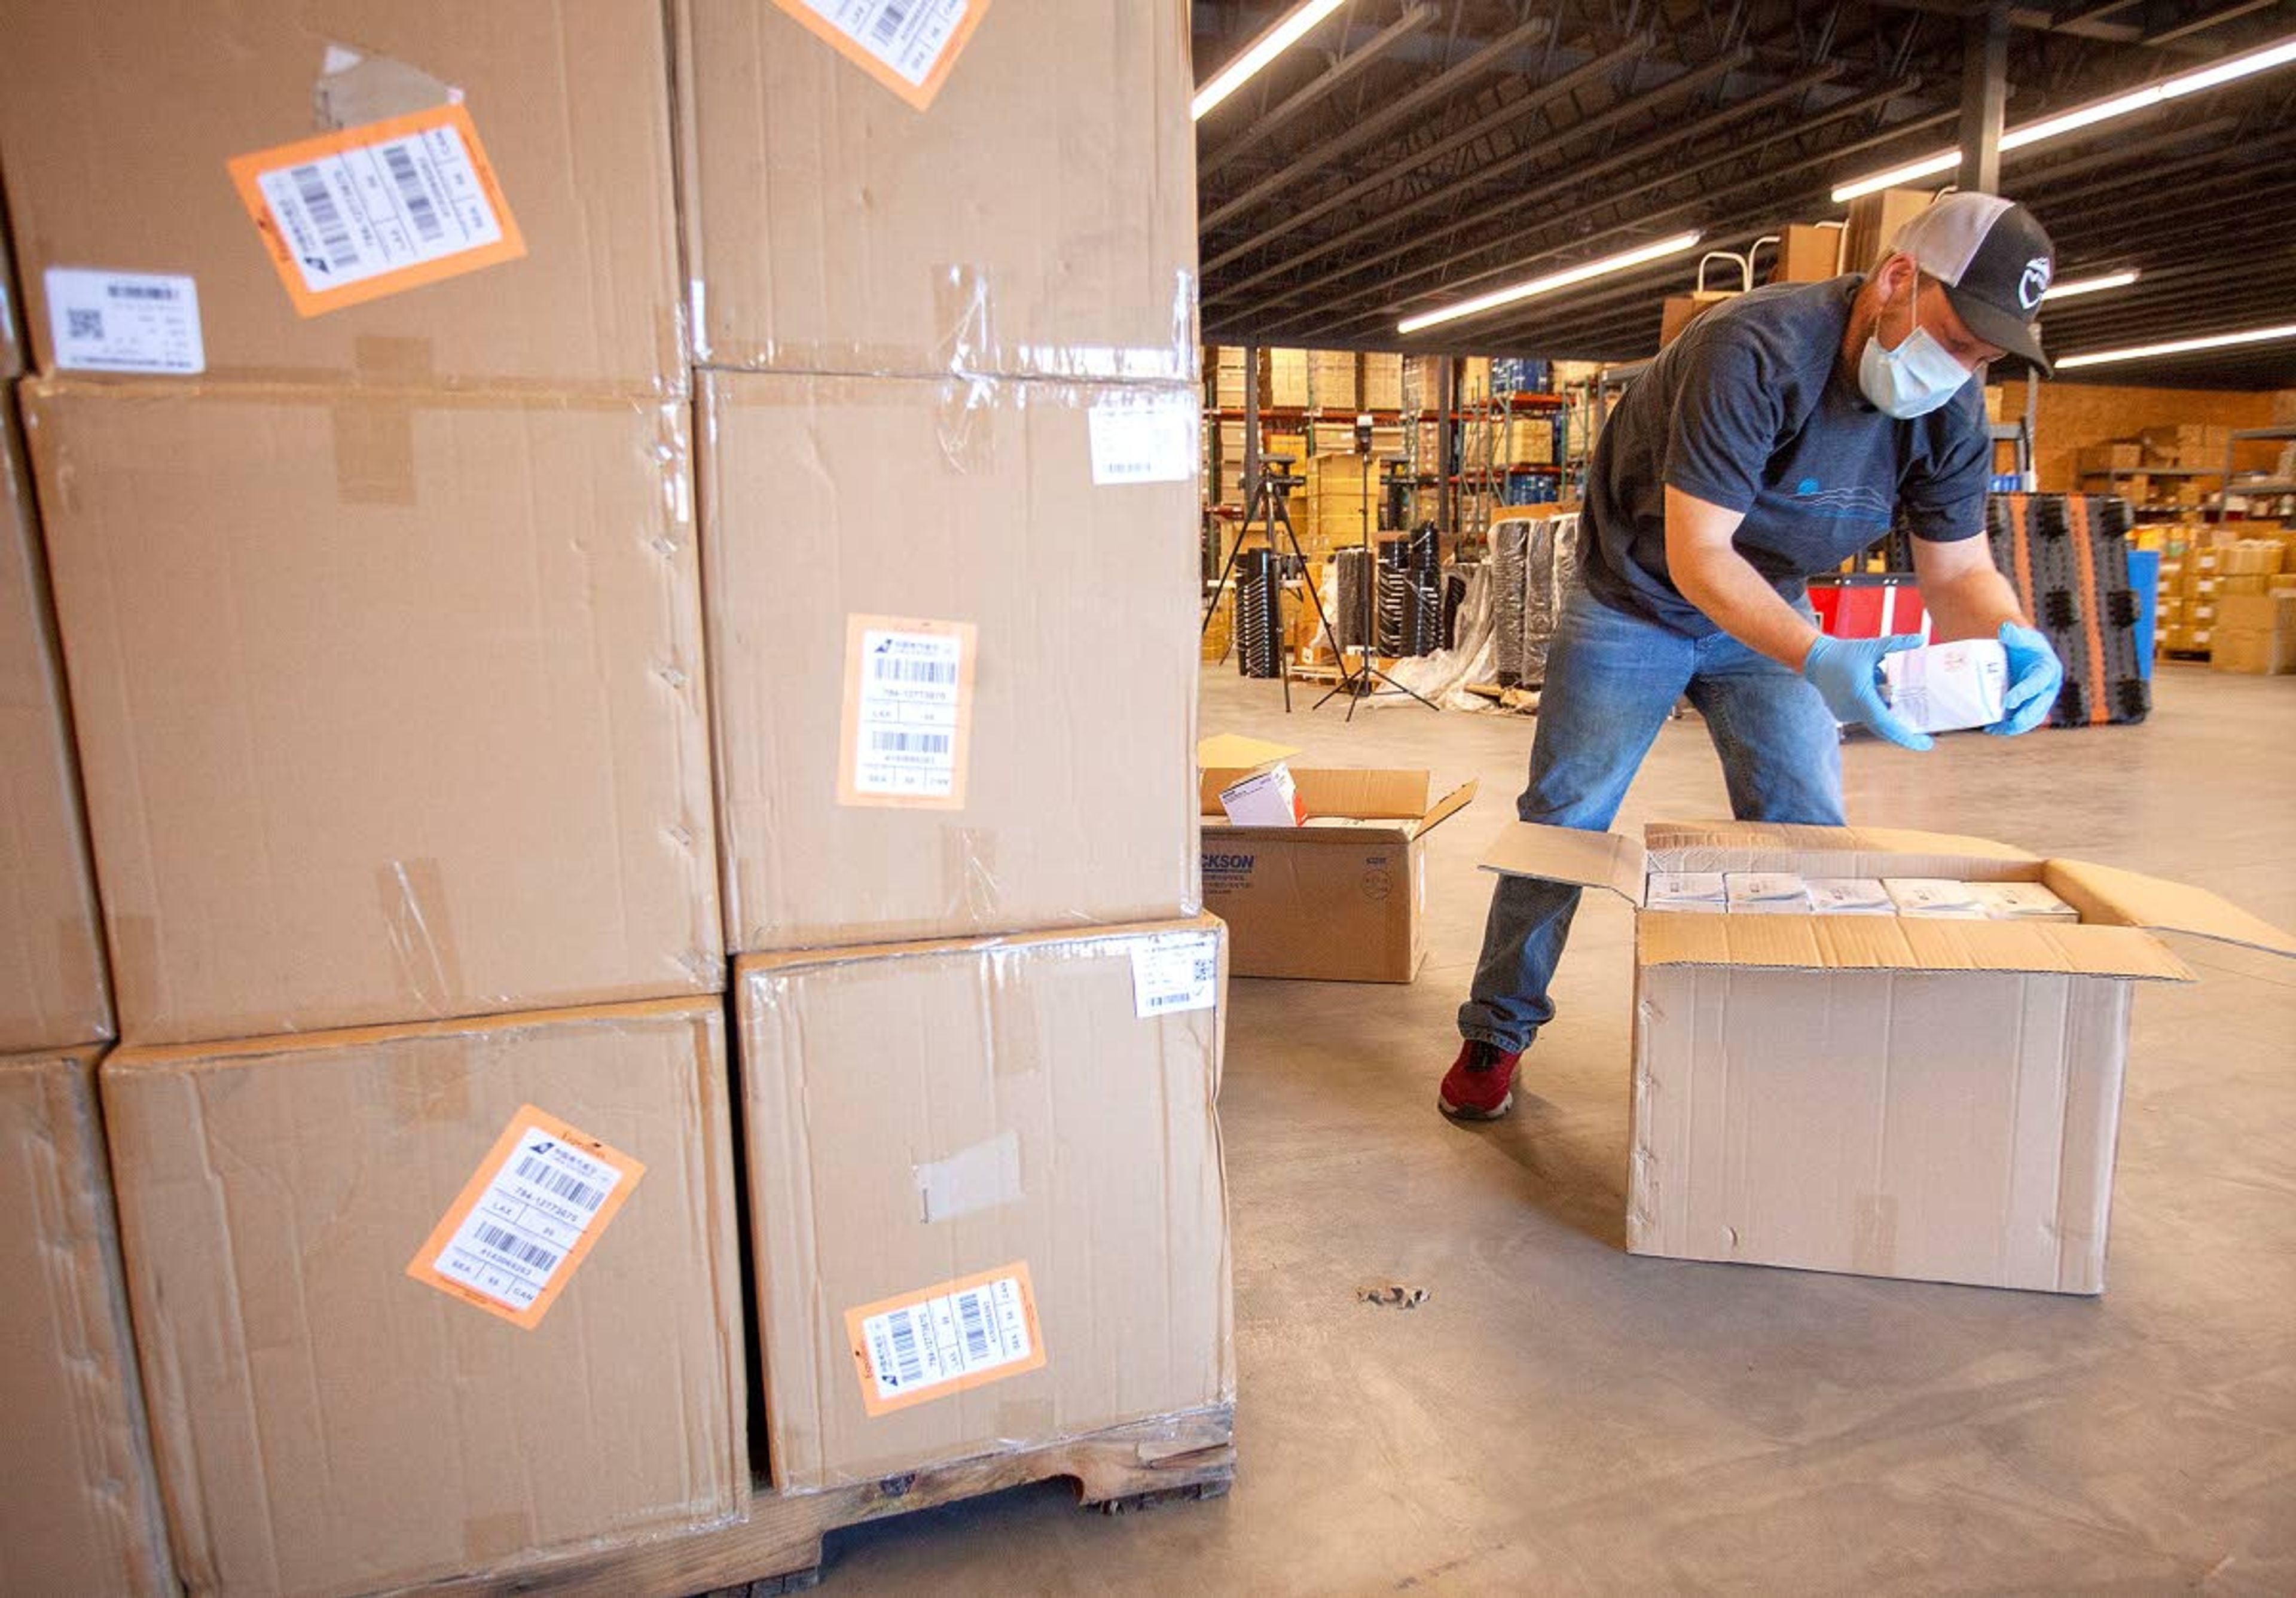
(1747, 410)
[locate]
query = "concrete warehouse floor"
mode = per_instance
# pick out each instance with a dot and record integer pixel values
(1561, 1416)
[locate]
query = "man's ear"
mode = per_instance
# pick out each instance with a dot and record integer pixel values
(1896, 271)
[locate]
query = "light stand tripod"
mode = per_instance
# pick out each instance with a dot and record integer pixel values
(1364, 680)
(1268, 495)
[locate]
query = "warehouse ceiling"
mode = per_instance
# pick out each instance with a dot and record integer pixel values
(1407, 154)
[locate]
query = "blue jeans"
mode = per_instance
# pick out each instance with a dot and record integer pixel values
(1612, 680)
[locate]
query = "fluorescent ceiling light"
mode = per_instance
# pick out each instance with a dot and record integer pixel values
(2086, 116)
(2088, 286)
(1547, 284)
(2218, 341)
(1262, 50)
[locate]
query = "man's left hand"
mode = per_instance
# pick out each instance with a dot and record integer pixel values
(2035, 676)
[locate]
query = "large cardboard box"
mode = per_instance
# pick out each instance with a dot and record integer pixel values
(389, 704)
(1038, 217)
(987, 1202)
(1875, 221)
(1680, 310)
(52, 990)
(916, 590)
(1808, 253)
(81, 1510)
(117, 121)
(1343, 898)
(2255, 633)
(1933, 1100)
(328, 1420)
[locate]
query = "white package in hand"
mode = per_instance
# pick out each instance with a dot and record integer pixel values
(1944, 688)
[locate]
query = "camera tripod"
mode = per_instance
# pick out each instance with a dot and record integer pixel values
(1364, 680)
(1266, 505)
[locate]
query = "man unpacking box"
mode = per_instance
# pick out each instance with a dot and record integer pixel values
(1776, 438)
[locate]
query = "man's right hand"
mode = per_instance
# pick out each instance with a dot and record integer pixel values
(1848, 673)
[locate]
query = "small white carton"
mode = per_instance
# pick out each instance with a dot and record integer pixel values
(1850, 896)
(1765, 893)
(1686, 891)
(1268, 798)
(1944, 688)
(1933, 898)
(2020, 902)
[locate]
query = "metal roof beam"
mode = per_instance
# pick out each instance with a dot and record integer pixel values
(1340, 71)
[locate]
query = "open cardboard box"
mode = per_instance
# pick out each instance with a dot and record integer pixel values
(1343, 898)
(1931, 1099)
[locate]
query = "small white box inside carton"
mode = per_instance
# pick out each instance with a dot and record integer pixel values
(1765, 893)
(1944, 688)
(1850, 896)
(1268, 798)
(2020, 901)
(1933, 898)
(1685, 891)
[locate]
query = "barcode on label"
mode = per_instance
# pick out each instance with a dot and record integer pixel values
(906, 687)
(889, 23)
(124, 321)
(909, 743)
(895, 669)
(907, 38)
(522, 1225)
(954, 1335)
(141, 291)
(1169, 976)
(353, 214)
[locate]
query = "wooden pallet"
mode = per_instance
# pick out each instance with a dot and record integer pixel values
(778, 1549)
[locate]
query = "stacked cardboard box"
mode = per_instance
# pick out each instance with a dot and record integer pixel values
(1422, 377)
(2256, 634)
(360, 436)
(950, 890)
(1232, 381)
(2188, 444)
(1331, 380)
(1287, 378)
(1382, 382)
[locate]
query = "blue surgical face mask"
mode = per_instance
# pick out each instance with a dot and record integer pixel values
(1915, 378)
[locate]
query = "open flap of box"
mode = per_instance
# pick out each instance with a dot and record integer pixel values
(1830, 851)
(1590, 859)
(1234, 752)
(1353, 793)
(2112, 897)
(1894, 943)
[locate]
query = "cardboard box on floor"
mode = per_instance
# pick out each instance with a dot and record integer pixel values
(53, 994)
(1037, 218)
(2255, 634)
(1334, 902)
(389, 706)
(988, 1207)
(118, 122)
(81, 1511)
(990, 788)
(1931, 1099)
(327, 1422)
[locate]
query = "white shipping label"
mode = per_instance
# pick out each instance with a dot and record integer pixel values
(401, 202)
(907, 35)
(529, 1219)
(1175, 973)
(947, 1338)
(124, 321)
(910, 690)
(1142, 438)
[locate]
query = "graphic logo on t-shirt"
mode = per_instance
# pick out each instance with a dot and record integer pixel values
(1843, 505)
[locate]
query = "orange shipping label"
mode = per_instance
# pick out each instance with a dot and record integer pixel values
(909, 45)
(908, 713)
(958, 1335)
(527, 1216)
(377, 209)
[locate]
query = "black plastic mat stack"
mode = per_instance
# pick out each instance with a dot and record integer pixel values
(2067, 554)
(1259, 615)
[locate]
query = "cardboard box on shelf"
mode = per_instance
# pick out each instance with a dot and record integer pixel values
(81, 1513)
(830, 226)
(493, 258)
(2097, 459)
(1287, 379)
(1798, 1081)
(53, 991)
(1042, 536)
(2254, 653)
(1680, 310)
(1808, 253)
(1017, 1138)
(1875, 221)
(1343, 898)
(360, 1378)
(388, 705)
(1382, 382)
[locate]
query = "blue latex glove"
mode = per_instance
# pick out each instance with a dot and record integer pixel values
(2035, 676)
(1848, 672)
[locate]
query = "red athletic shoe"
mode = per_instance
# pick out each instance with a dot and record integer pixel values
(1480, 1085)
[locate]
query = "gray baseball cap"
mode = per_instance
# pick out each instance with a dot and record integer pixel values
(1994, 262)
